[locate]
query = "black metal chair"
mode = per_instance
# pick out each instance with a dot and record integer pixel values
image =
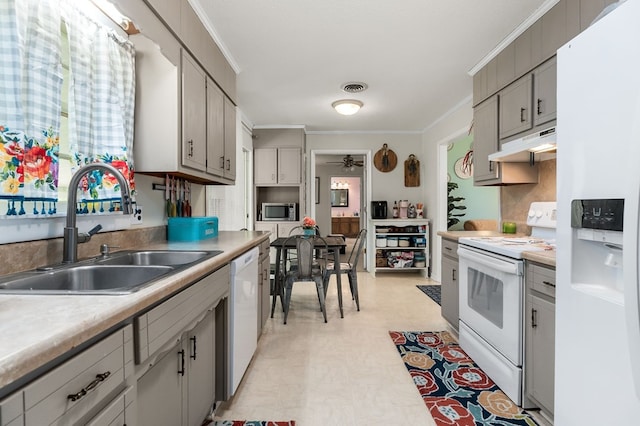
(350, 268)
(307, 268)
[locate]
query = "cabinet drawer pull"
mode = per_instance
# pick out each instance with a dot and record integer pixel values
(534, 318)
(99, 378)
(222, 162)
(181, 371)
(190, 142)
(539, 105)
(448, 248)
(549, 283)
(490, 166)
(193, 355)
(522, 117)
(228, 164)
(453, 274)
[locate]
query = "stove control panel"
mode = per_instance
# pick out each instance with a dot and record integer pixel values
(601, 214)
(543, 214)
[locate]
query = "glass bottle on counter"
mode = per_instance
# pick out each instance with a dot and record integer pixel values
(395, 209)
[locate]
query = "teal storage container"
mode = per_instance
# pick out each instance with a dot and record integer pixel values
(192, 228)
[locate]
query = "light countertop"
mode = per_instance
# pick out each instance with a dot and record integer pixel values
(547, 257)
(455, 235)
(35, 330)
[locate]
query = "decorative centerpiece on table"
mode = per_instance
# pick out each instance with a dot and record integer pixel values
(308, 226)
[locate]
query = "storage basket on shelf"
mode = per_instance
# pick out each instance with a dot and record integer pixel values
(192, 228)
(419, 261)
(392, 241)
(381, 241)
(419, 241)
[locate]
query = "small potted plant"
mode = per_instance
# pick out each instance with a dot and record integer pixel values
(308, 226)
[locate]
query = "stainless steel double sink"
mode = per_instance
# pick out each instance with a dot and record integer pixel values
(117, 273)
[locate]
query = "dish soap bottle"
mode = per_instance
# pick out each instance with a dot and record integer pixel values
(395, 209)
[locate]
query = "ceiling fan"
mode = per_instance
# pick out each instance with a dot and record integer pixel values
(348, 162)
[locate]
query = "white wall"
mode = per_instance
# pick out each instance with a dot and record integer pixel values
(385, 186)
(228, 201)
(451, 127)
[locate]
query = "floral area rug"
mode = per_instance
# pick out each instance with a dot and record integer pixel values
(251, 423)
(433, 291)
(454, 389)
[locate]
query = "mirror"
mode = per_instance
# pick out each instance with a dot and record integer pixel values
(339, 198)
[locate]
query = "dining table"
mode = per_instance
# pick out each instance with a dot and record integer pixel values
(283, 244)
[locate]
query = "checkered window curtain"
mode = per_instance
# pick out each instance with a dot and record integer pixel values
(30, 84)
(101, 105)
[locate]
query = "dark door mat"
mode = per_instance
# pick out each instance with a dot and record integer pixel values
(433, 291)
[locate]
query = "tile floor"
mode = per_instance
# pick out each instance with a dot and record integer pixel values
(344, 372)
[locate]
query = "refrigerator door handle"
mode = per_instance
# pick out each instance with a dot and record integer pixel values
(631, 256)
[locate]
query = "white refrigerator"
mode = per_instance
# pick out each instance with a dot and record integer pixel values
(598, 179)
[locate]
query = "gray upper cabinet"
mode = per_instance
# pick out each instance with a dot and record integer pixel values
(485, 82)
(506, 66)
(522, 59)
(529, 102)
(544, 92)
(485, 142)
(485, 139)
(535, 45)
(515, 107)
(229, 139)
(559, 25)
(169, 10)
(215, 129)
(192, 32)
(194, 104)
(590, 9)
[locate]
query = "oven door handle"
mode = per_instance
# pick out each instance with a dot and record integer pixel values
(496, 264)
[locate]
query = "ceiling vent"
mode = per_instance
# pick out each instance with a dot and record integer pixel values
(354, 87)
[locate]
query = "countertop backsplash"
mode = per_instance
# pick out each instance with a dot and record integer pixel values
(516, 199)
(33, 254)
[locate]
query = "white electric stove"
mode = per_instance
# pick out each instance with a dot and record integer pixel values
(491, 284)
(542, 220)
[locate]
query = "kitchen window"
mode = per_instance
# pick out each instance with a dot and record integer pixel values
(69, 89)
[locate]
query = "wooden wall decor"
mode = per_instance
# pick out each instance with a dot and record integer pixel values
(412, 171)
(385, 159)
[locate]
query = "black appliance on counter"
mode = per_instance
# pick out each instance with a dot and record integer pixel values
(378, 210)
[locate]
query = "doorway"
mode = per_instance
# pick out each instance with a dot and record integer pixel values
(325, 164)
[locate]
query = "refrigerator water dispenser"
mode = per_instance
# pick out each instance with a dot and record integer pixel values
(597, 266)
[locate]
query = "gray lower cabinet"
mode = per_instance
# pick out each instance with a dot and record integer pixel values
(160, 391)
(449, 290)
(176, 354)
(264, 285)
(120, 411)
(90, 388)
(540, 335)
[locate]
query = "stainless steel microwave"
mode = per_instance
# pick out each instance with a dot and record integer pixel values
(280, 211)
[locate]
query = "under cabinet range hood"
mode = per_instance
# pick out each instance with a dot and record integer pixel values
(538, 146)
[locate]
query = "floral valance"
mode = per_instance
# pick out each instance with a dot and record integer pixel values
(101, 98)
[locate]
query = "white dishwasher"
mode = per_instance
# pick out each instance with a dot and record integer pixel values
(243, 313)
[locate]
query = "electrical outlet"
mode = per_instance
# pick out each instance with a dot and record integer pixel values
(136, 216)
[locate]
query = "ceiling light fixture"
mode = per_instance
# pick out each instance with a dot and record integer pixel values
(347, 106)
